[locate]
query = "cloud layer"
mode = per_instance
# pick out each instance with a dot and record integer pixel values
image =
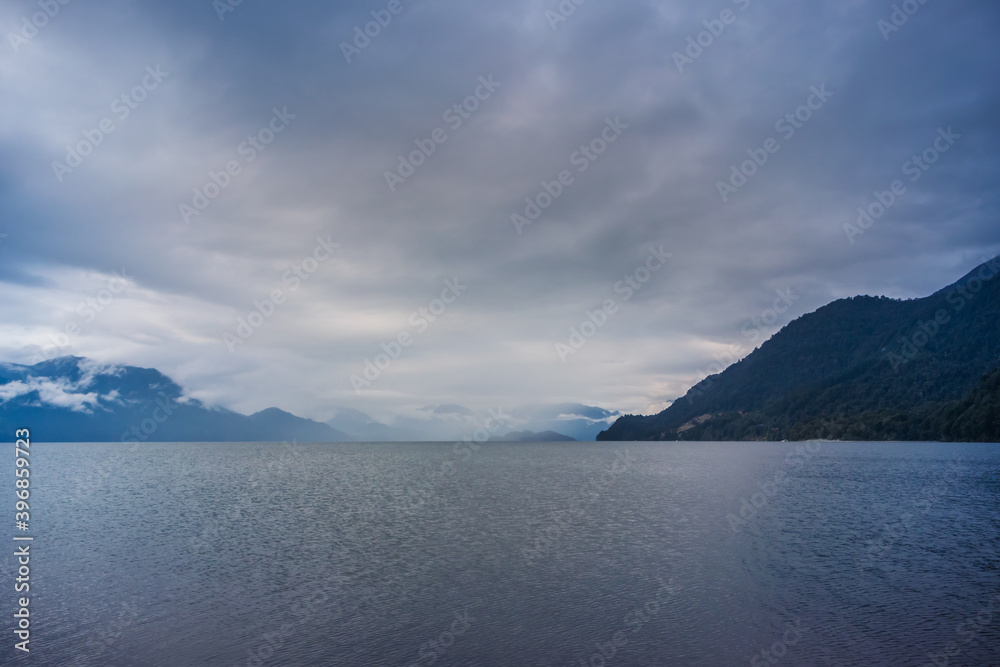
(257, 122)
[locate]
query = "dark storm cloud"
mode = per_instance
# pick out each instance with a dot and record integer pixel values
(324, 176)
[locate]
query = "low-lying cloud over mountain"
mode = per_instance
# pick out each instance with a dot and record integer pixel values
(76, 399)
(454, 422)
(71, 399)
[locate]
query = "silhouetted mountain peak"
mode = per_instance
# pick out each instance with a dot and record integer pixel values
(866, 367)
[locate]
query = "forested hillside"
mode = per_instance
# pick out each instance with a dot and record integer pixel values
(865, 368)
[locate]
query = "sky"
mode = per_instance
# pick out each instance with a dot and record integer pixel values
(513, 203)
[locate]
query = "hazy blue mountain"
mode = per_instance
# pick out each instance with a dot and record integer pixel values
(363, 428)
(531, 436)
(72, 399)
(578, 421)
(275, 420)
(865, 368)
(572, 421)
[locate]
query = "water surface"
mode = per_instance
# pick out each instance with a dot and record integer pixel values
(516, 554)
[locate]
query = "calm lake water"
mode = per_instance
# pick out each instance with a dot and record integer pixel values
(515, 554)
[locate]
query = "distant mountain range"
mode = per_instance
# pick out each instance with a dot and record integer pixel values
(865, 368)
(531, 436)
(73, 399)
(539, 422)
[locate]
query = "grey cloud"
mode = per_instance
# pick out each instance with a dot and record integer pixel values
(325, 175)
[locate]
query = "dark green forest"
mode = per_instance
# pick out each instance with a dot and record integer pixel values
(865, 368)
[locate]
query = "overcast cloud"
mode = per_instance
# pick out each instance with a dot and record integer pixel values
(356, 255)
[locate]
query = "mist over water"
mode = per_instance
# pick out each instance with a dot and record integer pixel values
(523, 554)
